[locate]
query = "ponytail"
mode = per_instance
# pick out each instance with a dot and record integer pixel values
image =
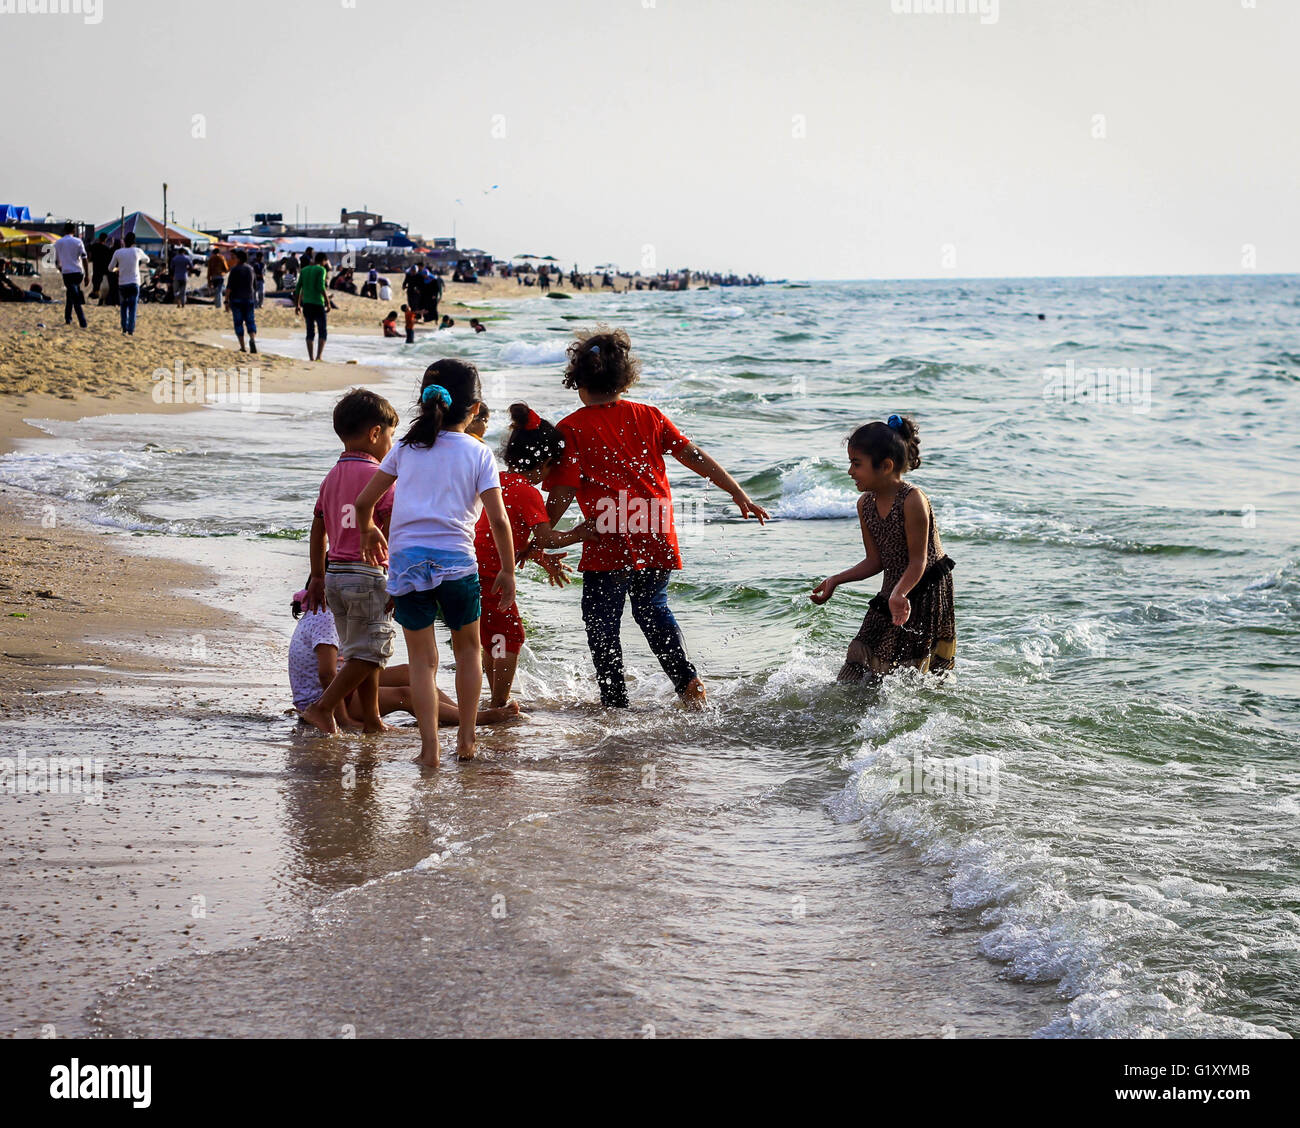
(447, 392)
(898, 440)
(531, 442)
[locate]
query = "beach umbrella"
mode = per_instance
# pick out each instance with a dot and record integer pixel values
(151, 232)
(13, 237)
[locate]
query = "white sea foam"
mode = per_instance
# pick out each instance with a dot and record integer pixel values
(806, 497)
(525, 353)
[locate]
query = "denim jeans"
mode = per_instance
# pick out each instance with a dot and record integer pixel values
(218, 290)
(74, 299)
(129, 297)
(603, 595)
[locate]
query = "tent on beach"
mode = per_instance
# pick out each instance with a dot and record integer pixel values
(149, 233)
(14, 213)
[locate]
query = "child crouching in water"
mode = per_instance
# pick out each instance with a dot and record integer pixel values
(314, 662)
(911, 621)
(614, 464)
(531, 450)
(442, 479)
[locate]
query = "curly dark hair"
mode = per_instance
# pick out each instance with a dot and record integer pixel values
(602, 362)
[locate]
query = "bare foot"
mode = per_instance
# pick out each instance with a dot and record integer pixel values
(428, 755)
(498, 713)
(376, 726)
(465, 751)
(314, 715)
(351, 725)
(693, 696)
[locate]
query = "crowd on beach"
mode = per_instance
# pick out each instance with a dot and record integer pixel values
(427, 527)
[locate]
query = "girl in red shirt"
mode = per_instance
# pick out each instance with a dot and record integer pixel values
(532, 449)
(614, 465)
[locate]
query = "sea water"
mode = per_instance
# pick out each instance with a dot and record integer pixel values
(1089, 830)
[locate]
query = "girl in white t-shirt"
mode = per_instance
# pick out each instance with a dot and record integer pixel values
(442, 480)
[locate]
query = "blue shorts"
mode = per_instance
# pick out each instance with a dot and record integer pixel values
(456, 600)
(242, 314)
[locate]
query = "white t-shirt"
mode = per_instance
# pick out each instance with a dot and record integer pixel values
(315, 628)
(436, 499)
(68, 252)
(127, 262)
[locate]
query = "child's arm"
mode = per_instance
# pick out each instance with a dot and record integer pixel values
(316, 585)
(558, 502)
(374, 544)
(916, 522)
(544, 536)
(706, 466)
(504, 585)
(868, 566)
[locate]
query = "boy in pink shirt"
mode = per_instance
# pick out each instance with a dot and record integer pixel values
(356, 592)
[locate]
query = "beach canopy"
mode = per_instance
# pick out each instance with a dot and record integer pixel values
(149, 231)
(12, 237)
(14, 213)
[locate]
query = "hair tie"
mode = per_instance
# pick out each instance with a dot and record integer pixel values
(436, 391)
(594, 350)
(533, 422)
(895, 422)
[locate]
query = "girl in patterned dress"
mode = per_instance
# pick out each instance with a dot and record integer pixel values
(911, 621)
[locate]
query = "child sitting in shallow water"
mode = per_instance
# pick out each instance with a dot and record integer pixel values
(911, 621)
(314, 661)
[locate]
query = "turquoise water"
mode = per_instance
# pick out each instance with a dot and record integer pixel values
(1128, 599)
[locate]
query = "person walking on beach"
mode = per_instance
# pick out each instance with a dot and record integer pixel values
(70, 256)
(100, 253)
(217, 270)
(126, 264)
(259, 278)
(241, 300)
(181, 263)
(311, 299)
(442, 480)
(911, 621)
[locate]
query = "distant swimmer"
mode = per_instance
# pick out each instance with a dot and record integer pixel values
(477, 325)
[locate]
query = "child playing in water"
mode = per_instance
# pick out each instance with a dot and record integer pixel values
(408, 316)
(354, 590)
(390, 324)
(442, 480)
(614, 464)
(532, 449)
(911, 621)
(313, 663)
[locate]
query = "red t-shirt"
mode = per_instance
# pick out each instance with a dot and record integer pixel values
(614, 459)
(526, 510)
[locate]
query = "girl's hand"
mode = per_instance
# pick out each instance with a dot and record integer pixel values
(900, 609)
(823, 591)
(315, 594)
(503, 589)
(748, 508)
(587, 531)
(557, 572)
(374, 547)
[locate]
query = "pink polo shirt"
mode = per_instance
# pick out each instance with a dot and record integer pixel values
(337, 503)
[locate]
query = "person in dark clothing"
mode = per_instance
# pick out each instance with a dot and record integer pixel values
(241, 300)
(100, 253)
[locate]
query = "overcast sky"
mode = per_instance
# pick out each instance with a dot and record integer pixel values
(818, 139)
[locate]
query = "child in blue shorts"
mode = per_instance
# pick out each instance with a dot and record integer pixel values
(442, 480)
